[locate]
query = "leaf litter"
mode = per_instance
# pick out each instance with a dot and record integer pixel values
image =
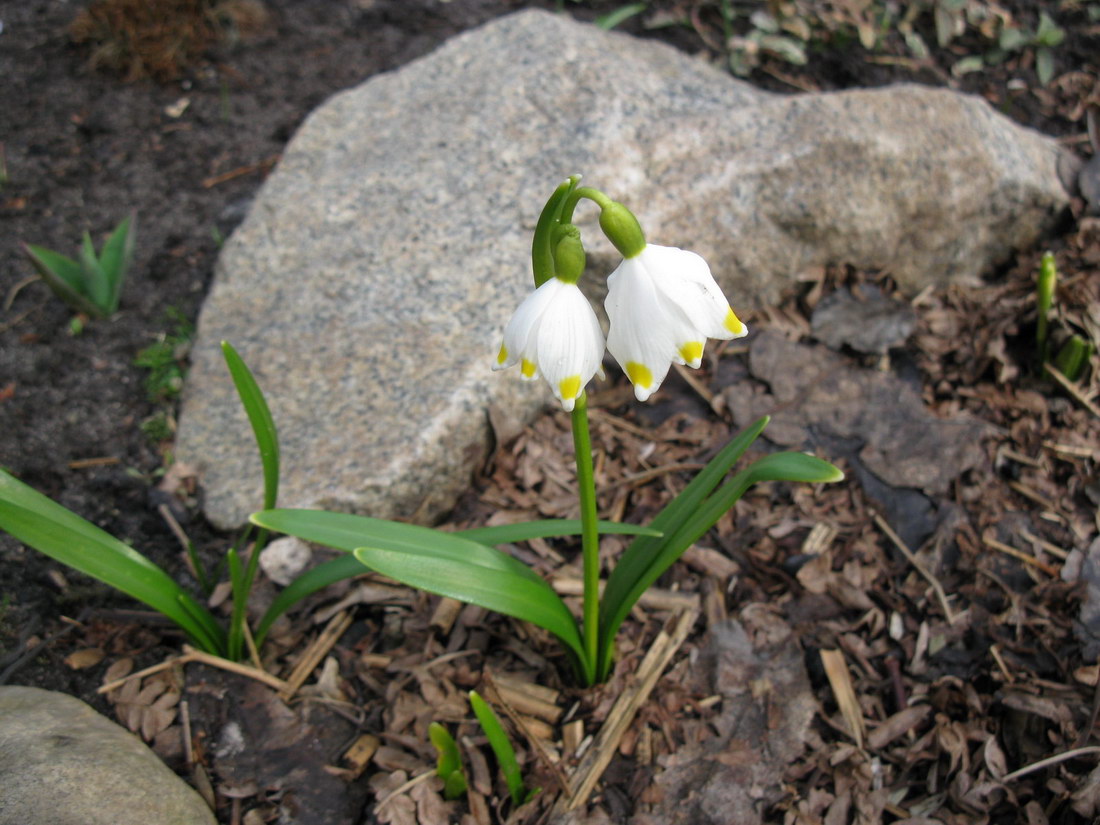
(918, 644)
(912, 645)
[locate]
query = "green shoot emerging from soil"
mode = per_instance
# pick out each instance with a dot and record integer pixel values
(93, 284)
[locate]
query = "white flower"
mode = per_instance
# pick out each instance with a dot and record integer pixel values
(663, 304)
(554, 333)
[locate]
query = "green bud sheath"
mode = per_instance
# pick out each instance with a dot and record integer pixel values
(621, 228)
(542, 245)
(568, 254)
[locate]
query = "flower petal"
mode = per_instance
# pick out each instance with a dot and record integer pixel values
(685, 280)
(641, 338)
(663, 304)
(570, 344)
(554, 333)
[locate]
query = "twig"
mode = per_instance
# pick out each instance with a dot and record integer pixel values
(174, 526)
(1054, 550)
(185, 725)
(699, 388)
(396, 792)
(1038, 498)
(932, 580)
(840, 679)
(17, 288)
(98, 461)
(637, 479)
(1050, 760)
(250, 643)
(592, 766)
(1009, 550)
(192, 655)
(995, 651)
(263, 166)
(654, 597)
(315, 653)
(1073, 388)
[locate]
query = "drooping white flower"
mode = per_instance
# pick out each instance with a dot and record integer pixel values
(554, 333)
(663, 304)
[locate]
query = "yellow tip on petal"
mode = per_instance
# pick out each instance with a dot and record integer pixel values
(639, 374)
(527, 368)
(733, 323)
(502, 356)
(570, 387)
(692, 352)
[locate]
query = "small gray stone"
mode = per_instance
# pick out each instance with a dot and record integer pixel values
(368, 286)
(284, 559)
(61, 763)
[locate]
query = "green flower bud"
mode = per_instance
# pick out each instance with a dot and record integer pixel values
(621, 228)
(568, 253)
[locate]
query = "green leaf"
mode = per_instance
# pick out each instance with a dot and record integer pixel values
(787, 48)
(1049, 33)
(449, 758)
(348, 532)
(97, 285)
(645, 550)
(787, 466)
(1073, 357)
(967, 65)
(259, 416)
(449, 765)
(548, 528)
(115, 259)
(1044, 65)
(321, 576)
(63, 276)
(1012, 39)
(620, 15)
(437, 569)
(542, 254)
(345, 531)
(502, 748)
(776, 467)
(62, 535)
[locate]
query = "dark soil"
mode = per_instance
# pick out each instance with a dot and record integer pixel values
(84, 148)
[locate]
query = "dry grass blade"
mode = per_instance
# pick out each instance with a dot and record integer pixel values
(316, 652)
(1009, 550)
(592, 766)
(192, 655)
(1050, 760)
(1074, 389)
(932, 580)
(841, 682)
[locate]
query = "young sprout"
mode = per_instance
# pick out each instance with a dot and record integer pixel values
(93, 284)
(449, 766)
(503, 750)
(1044, 299)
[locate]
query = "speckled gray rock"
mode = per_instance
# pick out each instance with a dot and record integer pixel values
(61, 763)
(369, 284)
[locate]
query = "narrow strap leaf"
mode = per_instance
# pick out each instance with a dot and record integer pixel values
(531, 600)
(45, 525)
(259, 416)
(502, 747)
(643, 552)
(345, 531)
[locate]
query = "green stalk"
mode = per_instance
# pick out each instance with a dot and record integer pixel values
(590, 536)
(574, 197)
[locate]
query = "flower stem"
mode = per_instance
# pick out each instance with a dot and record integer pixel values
(590, 537)
(574, 197)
